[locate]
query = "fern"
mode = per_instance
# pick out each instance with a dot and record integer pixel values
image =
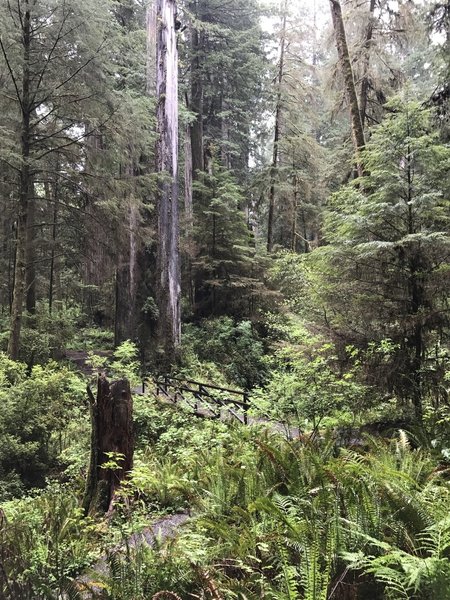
(426, 571)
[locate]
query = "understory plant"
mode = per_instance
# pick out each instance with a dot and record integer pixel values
(307, 385)
(41, 411)
(45, 542)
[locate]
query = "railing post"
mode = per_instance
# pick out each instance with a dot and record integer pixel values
(143, 386)
(246, 407)
(196, 399)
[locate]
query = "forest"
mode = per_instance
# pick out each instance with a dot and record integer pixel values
(224, 299)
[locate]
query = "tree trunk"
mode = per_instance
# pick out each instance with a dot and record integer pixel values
(188, 202)
(112, 441)
(188, 213)
(416, 290)
(30, 256)
(276, 137)
(168, 260)
(151, 47)
(24, 196)
(53, 288)
(365, 64)
(127, 277)
(347, 72)
(294, 214)
(196, 127)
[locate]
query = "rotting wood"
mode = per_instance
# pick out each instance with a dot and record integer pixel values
(111, 439)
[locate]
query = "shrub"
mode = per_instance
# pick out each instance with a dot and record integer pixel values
(235, 348)
(36, 411)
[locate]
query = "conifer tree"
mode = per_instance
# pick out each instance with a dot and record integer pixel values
(225, 269)
(49, 59)
(388, 259)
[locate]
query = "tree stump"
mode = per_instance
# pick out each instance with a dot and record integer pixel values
(112, 441)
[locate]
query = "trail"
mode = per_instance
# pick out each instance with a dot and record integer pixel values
(161, 530)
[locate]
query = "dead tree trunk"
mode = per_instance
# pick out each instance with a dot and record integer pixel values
(350, 89)
(112, 441)
(168, 259)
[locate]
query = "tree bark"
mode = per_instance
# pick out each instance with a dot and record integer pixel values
(128, 276)
(364, 91)
(196, 105)
(188, 194)
(111, 441)
(188, 214)
(294, 213)
(416, 267)
(30, 255)
(168, 260)
(276, 137)
(347, 72)
(24, 194)
(53, 287)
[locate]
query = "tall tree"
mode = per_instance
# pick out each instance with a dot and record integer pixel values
(350, 87)
(46, 50)
(386, 270)
(277, 126)
(168, 259)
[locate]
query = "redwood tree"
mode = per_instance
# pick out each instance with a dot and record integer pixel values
(168, 260)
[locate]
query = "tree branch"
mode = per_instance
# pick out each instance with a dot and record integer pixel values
(5, 56)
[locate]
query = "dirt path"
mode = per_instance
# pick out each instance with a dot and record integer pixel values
(162, 529)
(80, 359)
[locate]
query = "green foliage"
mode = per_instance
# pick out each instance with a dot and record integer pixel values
(421, 573)
(276, 519)
(160, 484)
(139, 573)
(92, 338)
(225, 264)
(288, 274)
(384, 273)
(236, 349)
(45, 542)
(125, 363)
(306, 382)
(35, 424)
(46, 336)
